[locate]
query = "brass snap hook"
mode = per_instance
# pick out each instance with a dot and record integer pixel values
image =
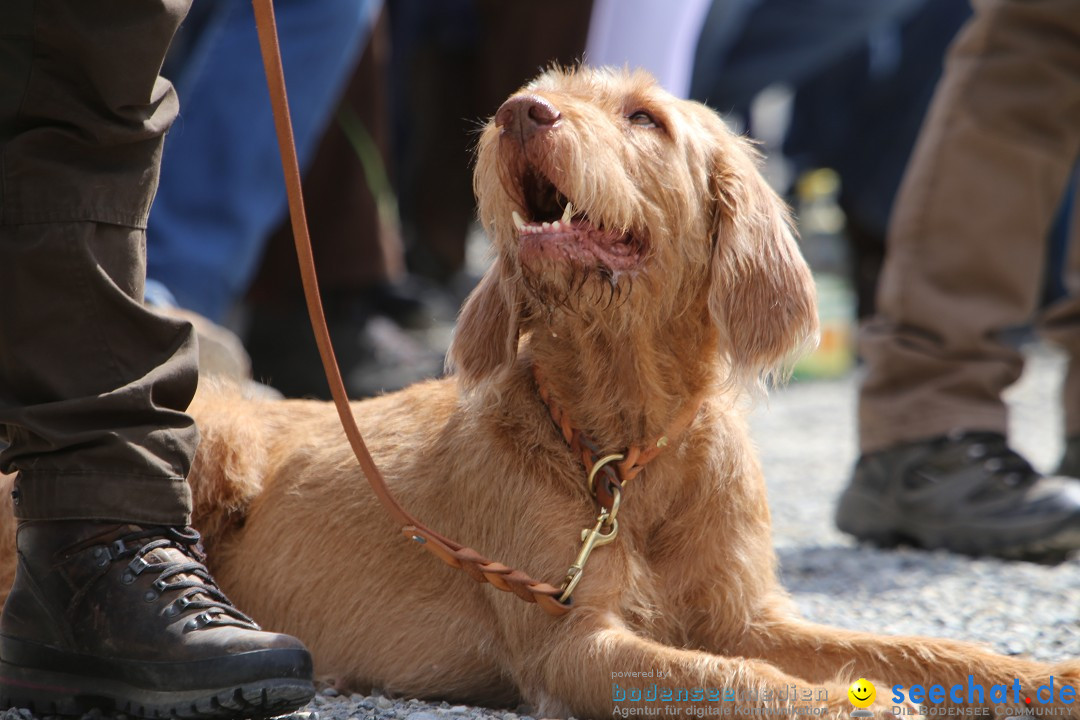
(592, 538)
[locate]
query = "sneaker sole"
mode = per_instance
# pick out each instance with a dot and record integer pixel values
(50, 693)
(864, 517)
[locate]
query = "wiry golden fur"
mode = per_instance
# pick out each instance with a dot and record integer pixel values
(711, 296)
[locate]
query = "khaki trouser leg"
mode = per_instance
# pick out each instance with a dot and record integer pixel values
(966, 246)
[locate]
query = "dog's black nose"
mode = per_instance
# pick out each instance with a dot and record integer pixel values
(525, 115)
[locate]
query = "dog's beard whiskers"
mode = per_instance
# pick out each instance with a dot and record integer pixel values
(572, 293)
(550, 295)
(618, 289)
(611, 285)
(581, 278)
(576, 289)
(629, 288)
(597, 294)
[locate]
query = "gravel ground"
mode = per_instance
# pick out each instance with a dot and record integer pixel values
(806, 436)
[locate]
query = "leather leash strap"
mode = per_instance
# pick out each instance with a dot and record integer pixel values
(452, 553)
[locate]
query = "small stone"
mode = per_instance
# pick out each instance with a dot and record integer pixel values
(330, 692)
(421, 715)
(384, 702)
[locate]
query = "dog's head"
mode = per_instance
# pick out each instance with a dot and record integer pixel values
(612, 201)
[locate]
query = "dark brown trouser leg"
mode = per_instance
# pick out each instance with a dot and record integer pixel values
(93, 387)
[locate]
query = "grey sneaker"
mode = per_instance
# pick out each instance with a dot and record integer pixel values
(968, 493)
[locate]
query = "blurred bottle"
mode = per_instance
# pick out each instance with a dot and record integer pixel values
(821, 227)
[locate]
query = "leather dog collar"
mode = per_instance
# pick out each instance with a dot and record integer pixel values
(618, 467)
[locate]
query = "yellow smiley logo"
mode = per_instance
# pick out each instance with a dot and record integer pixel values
(861, 693)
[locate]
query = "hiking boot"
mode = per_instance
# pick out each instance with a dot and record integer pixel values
(126, 618)
(968, 493)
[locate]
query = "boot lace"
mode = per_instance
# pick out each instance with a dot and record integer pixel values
(198, 590)
(999, 460)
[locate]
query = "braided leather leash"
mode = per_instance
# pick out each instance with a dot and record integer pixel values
(452, 553)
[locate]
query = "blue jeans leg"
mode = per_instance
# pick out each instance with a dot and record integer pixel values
(221, 190)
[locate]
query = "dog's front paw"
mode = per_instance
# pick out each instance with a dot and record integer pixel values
(1066, 687)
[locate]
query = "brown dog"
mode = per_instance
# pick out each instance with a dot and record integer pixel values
(645, 276)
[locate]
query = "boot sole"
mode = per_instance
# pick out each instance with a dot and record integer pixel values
(50, 693)
(868, 519)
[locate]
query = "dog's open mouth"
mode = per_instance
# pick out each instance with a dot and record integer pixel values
(554, 229)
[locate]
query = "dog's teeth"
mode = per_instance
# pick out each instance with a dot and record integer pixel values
(556, 226)
(546, 226)
(568, 212)
(518, 222)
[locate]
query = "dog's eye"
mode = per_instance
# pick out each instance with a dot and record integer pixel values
(642, 118)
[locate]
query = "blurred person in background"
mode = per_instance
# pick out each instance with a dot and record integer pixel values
(378, 316)
(861, 74)
(401, 140)
(453, 64)
(965, 258)
(221, 191)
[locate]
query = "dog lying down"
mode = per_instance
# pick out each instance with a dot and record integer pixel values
(645, 280)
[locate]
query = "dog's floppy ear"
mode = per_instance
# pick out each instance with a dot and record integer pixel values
(486, 336)
(762, 293)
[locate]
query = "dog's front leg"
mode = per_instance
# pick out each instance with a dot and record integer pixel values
(820, 653)
(595, 668)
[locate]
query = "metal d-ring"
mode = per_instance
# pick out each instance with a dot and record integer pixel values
(606, 460)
